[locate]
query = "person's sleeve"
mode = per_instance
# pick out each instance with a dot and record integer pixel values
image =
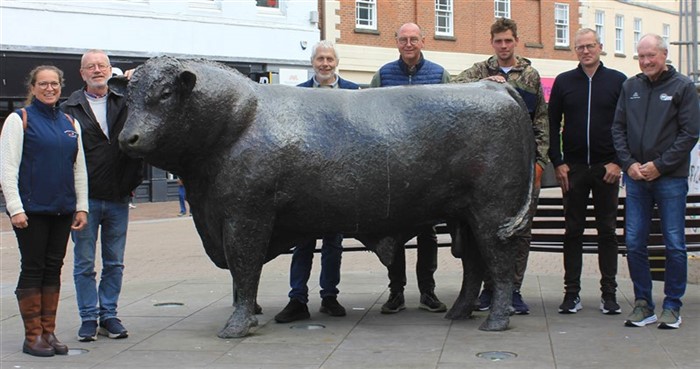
(540, 126)
(376, 81)
(468, 75)
(555, 112)
(80, 174)
(11, 146)
(446, 76)
(619, 133)
(688, 120)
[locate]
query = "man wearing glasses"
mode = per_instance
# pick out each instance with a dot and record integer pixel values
(112, 176)
(585, 97)
(412, 69)
(506, 67)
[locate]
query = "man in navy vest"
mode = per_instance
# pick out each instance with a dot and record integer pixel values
(412, 69)
(324, 59)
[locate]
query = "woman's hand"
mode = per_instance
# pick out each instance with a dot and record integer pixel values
(20, 221)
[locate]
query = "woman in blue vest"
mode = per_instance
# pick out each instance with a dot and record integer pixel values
(44, 181)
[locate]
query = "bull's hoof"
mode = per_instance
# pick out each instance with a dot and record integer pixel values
(237, 328)
(494, 325)
(458, 314)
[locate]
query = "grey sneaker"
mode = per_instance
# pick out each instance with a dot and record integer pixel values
(641, 315)
(670, 319)
(394, 304)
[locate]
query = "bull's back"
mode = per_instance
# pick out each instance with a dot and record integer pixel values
(372, 156)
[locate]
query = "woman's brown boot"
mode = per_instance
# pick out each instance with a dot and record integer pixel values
(29, 300)
(49, 305)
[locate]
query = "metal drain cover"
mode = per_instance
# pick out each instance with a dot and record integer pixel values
(497, 355)
(168, 304)
(77, 351)
(308, 327)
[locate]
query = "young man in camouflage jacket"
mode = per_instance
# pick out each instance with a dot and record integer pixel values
(504, 67)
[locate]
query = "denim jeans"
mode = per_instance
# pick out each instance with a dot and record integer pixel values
(300, 270)
(669, 194)
(584, 180)
(181, 197)
(111, 220)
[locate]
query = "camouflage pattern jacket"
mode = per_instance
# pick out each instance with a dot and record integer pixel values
(526, 80)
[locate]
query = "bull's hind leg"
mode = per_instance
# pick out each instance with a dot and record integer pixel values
(498, 256)
(244, 246)
(464, 246)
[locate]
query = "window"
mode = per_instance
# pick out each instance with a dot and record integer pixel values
(268, 3)
(600, 25)
(501, 8)
(666, 33)
(366, 14)
(619, 34)
(561, 24)
(637, 32)
(443, 17)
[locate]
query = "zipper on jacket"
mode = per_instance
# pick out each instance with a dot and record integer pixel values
(588, 122)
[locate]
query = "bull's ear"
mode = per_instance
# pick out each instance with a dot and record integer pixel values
(118, 84)
(187, 81)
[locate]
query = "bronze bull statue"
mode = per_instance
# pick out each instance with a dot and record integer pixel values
(266, 166)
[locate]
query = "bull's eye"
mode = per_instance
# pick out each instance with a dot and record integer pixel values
(165, 95)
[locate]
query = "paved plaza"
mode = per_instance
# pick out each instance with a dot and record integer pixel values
(175, 300)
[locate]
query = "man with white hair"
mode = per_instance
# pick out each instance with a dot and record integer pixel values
(324, 59)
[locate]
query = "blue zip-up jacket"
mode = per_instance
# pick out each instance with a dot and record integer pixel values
(342, 83)
(46, 178)
(588, 108)
(657, 121)
(397, 73)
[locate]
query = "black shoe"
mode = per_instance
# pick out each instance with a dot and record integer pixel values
(394, 304)
(571, 303)
(430, 302)
(295, 310)
(331, 306)
(609, 305)
(112, 328)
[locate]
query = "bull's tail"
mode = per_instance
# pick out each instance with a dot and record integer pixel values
(520, 221)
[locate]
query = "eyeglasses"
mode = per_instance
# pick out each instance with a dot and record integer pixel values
(45, 85)
(412, 40)
(101, 67)
(588, 47)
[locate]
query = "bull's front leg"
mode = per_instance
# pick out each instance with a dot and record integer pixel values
(245, 242)
(464, 247)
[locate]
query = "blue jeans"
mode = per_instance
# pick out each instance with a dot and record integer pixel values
(113, 218)
(300, 270)
(669, 194)
(181, 197)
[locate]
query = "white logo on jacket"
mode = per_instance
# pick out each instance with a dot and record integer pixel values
(664, 97)
(635, 96)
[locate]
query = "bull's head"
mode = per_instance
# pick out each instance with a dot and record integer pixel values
(157, 122)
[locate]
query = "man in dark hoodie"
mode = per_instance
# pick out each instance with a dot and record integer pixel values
(112, 176)
(585, 162)
(656, 126)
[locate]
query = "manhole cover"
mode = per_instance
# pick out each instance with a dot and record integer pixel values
(497, 355)
(78, 351)
(168, 304)
(308, 327)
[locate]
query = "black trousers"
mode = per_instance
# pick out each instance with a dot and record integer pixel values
(426, 264)
(42, 247)
(582, 181)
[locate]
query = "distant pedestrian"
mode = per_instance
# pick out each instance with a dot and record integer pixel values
(182, 197)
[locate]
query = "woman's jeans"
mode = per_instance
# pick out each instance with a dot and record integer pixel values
(669, 194)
